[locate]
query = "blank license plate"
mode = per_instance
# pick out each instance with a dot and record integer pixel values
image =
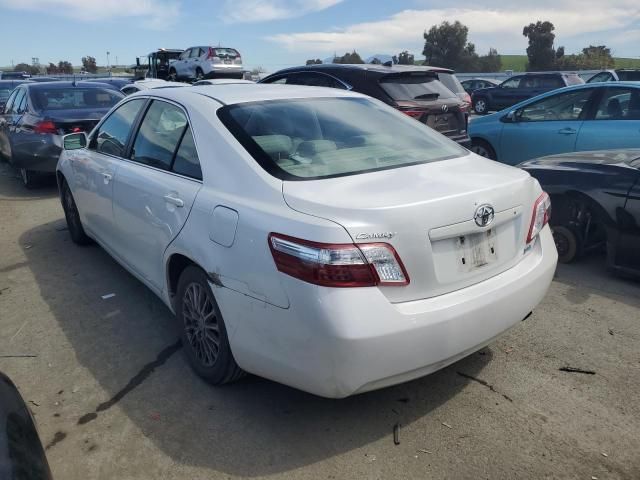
(476, 250)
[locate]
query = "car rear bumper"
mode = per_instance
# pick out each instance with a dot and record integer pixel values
(38, 153)
(339, 342)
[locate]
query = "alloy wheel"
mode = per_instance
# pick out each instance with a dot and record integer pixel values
(480, 150)
(201, 324)
(480, 106)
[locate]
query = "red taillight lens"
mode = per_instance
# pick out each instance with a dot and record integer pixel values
(76, 130)
(46, 126)
(540, 217)
(338, 265)
(211, 53)
(412, 112)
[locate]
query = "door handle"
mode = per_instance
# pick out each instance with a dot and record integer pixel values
(567, 131)
(173, 200)
(106, 177)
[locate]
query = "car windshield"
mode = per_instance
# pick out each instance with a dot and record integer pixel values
(330, 137)
(74, 98)
(414, 86)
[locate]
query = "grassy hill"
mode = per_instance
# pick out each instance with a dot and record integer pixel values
(518, 63)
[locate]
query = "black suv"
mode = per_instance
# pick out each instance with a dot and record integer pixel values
(518, 88)
(416, 91)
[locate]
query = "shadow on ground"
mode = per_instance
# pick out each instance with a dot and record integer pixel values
(255, 427)
(14, 190)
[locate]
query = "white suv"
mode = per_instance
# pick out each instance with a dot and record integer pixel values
(197, 63)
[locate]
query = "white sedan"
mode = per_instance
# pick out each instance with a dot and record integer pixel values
(315, 237)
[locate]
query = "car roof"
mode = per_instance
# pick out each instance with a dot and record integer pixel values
(15, 80)
(231, 94)
(370, 67)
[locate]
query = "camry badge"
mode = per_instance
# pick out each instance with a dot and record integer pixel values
(373, 236)
(484, 215)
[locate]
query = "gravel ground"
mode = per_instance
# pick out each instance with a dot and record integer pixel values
(113, 396)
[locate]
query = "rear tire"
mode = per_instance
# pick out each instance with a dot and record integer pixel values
(483, 148)
(199, 74)
(76, 230)
(481, 106)
(568, 243)
(204, 335)
(172, 76)
(29, 178)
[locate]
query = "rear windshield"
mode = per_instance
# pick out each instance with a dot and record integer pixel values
(633, 76)
(226, 52)
(74, 98)
(331, 137)
(414, 86)
(451, 82)
(574, 79)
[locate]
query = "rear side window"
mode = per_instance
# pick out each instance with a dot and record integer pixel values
(549, 81)
(187, 162)
(619, 104)
(451, 82)
(111, 137)
(312, 79)
(17, 101)
(159, 135)
(74, 98)
(414, 86)
(629, 76)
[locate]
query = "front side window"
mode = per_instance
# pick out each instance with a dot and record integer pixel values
(511, 83)
(329, 137)
(619, 104)
(18, 99)
(159, 135)
(601, 77)
(563, 106)
(314, 80)
(184, 55)
(111, 137)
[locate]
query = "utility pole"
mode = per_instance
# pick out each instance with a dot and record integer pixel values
(108, 60)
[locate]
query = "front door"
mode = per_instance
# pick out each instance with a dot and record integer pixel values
(506, 94)
(94, 170)
(153, 194)
(545, 127)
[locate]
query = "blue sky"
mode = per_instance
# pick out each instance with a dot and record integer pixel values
(279, 33)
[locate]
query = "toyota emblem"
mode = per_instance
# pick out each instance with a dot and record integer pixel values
(484, 215)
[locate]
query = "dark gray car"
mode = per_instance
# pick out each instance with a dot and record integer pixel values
(6, 87)
(37, 115)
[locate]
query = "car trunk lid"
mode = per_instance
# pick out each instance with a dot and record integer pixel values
(426, 212)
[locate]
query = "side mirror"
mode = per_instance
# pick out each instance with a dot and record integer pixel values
(74, 141)
(510, 117)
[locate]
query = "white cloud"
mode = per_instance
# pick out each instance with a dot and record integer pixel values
(156, 14)
(251, 11)
(489, 26)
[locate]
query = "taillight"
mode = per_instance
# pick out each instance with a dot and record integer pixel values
(412, 112)
(338, 265)
(212, 56)
(238, 61)
(46, 126)
(540, 217)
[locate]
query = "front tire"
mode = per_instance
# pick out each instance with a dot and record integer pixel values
(76, 230)
(204, 335)
(481, 106)
(568, 243)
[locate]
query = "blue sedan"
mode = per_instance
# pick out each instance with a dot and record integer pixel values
(597, 116)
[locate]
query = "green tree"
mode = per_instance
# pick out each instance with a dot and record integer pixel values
(405, 58)
(89, 64)
(349, 58)
(25, 67)
(597, 57)
(445, 45)
(540, 52)
(52, 69)
(65, 67)
(317, 61)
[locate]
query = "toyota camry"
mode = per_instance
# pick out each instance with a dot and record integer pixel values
(312, 236)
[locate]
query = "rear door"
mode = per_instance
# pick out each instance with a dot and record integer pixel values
(616, 122)
(94, 170)
(154, 189)
(544, 127)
